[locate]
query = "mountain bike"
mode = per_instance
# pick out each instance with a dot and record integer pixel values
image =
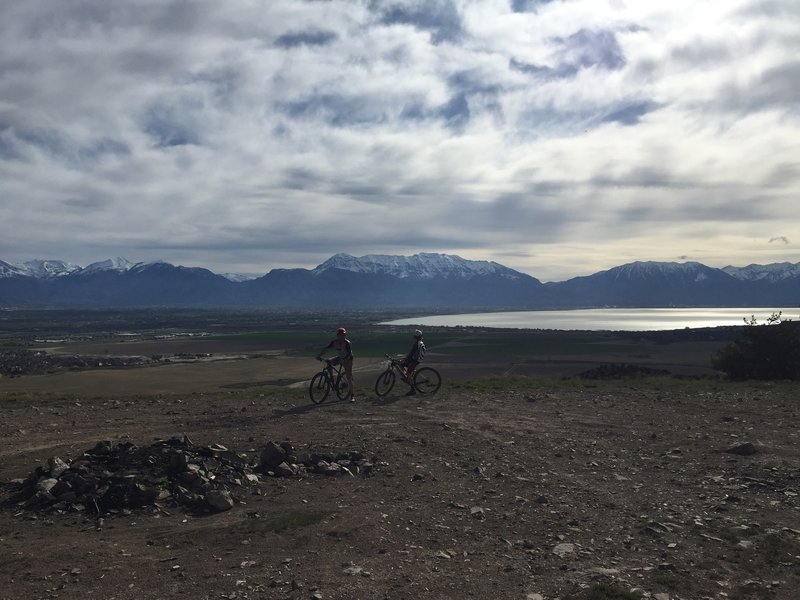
(426, 379)
(332, 376)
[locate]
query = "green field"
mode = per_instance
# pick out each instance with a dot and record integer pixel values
(265, 350)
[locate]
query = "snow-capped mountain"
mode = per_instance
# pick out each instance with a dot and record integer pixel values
(118, 264)
(424, 265)
(772, 272)
(435, 282)
(43, 269)
(9, 270)
(239, 277)
(691, 271)
(664, 284)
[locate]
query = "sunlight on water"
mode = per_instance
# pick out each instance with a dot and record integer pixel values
(604, 319)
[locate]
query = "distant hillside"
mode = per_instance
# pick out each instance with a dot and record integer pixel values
(436, 282)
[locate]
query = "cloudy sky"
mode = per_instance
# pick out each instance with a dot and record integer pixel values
(559, 138)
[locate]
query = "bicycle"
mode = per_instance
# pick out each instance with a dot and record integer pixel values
(426, 379)
(332, 376)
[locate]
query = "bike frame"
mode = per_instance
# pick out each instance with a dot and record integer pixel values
(333, 376)
(426, 380)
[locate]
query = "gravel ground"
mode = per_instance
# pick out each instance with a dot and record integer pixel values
(563, 490)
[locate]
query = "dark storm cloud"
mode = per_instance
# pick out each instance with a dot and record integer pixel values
(20, 141)
(170, 125)
(456, 113)
(302, 178)
(568, 120)
(778, 87)
(646, 177)
(440, 17)
(81, 17)
(522, 6)
(542, 71)
(8, 143)
(414, 111)
(469, 87)
(699, 53)
(49, 141)
(582, 50)
(95, 151)
(630, 114)
(589, 48)
(470, 92)
(306, 38)
(776, 9)
(222, 82)
(364, 191)
(783, 173)
(86, 203)
(515, 215)
(473, 82)
(336, 110)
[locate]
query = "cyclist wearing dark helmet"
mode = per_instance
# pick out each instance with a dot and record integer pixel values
(412, 359)
(344, 351)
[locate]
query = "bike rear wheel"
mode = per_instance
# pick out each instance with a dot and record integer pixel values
(319, 387)
(385, 383)
(427, 380)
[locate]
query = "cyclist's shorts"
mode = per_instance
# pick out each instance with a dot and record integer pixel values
(347, 363)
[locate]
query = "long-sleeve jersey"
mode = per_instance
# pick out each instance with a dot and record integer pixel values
(417, 352)
(343, 348)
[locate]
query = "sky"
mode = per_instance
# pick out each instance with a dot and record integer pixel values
(559, 138)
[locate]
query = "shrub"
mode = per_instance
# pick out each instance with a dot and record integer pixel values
(763, 351)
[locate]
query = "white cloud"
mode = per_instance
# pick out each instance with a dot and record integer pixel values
(561, 139)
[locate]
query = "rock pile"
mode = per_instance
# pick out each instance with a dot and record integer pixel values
(175, 472)
(281, 460)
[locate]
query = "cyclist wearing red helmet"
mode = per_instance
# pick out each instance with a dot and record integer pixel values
(344, 349)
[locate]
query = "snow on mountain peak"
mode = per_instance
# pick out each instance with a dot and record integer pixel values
(772, 272)
(111, 264)
(654, 270)
(9, 270)
(44, 269)
(239, 277)
(424, 265)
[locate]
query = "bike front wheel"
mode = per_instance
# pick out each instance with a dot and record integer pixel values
(319, 387)
(385, 383)
(427, 380)
(341, 387)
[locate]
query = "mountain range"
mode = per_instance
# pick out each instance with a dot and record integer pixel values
(425, 281)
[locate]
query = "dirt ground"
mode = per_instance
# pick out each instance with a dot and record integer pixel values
(522, 490)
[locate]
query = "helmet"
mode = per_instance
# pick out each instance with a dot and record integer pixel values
(417, 333)
(341, 331)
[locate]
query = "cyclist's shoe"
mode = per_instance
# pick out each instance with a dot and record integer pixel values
(411, 392)
(352, 398)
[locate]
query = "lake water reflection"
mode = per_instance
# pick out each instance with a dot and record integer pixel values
(604, 319)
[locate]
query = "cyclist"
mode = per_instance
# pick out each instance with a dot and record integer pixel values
(344, 350)
(412, 359)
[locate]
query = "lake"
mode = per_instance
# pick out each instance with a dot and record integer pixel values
(603, 319)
